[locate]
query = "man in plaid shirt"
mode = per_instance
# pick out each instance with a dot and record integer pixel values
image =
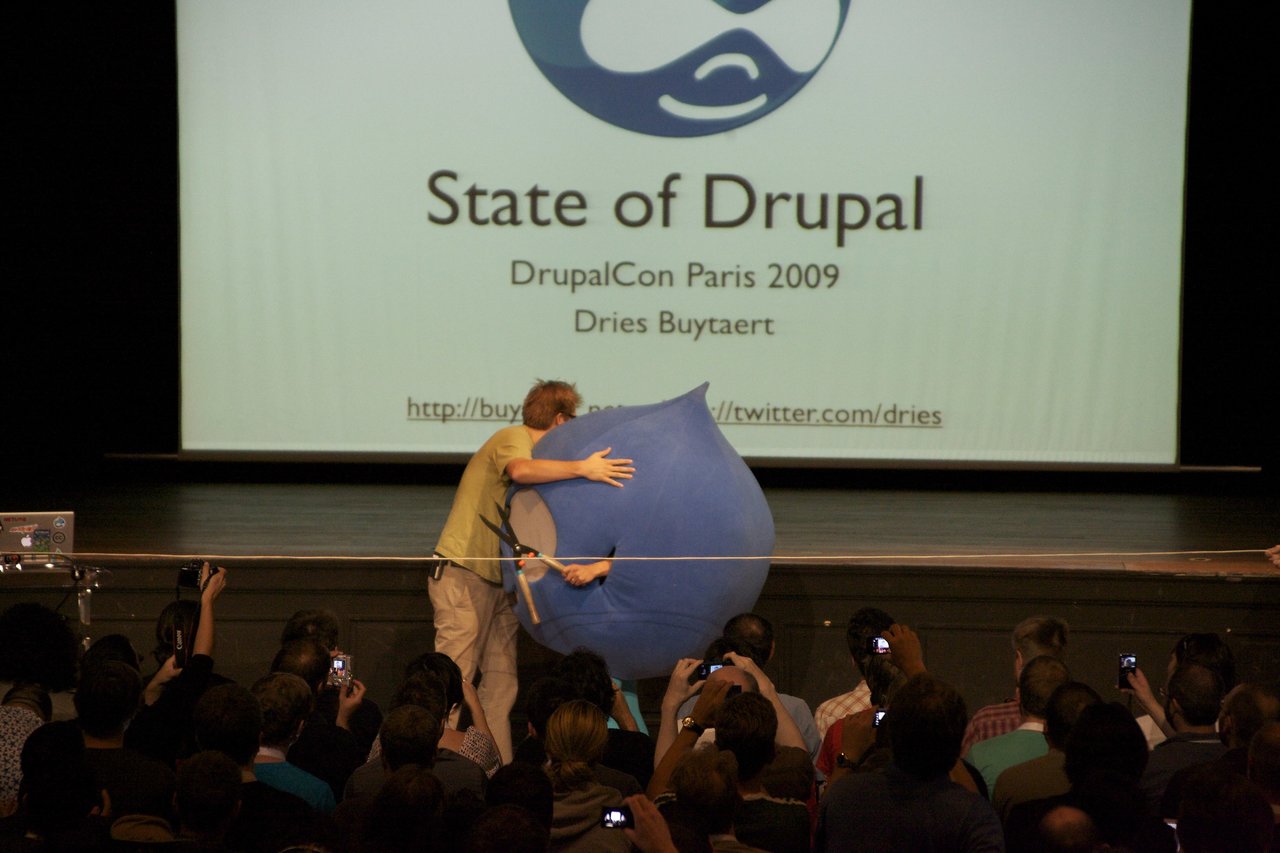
(1034, 636)
(866, 623)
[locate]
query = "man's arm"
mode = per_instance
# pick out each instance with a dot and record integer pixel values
(678, 690)
(597, 467)
(704, 711)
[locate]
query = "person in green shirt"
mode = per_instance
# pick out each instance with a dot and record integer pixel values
(475, 624)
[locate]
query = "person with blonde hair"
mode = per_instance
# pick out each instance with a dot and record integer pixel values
(575, 740)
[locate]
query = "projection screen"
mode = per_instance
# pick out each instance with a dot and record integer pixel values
(923, 231)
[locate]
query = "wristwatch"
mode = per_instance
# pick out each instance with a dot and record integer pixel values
(692, 725)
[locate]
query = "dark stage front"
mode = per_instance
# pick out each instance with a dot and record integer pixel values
(1129, 570)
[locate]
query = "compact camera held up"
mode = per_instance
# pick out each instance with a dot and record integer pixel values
(189, 575)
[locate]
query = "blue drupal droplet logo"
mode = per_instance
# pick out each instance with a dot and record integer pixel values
(679, 67)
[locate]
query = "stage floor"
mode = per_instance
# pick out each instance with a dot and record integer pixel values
(1056, 530)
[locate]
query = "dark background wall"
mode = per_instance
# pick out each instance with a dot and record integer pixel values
(90, 293)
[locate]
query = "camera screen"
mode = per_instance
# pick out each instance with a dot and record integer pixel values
(339, 664)
(879, 718)
(879, 646)
(616, 818)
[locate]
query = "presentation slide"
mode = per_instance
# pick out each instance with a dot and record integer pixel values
(885, 230)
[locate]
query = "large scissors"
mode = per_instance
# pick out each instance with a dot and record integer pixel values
(519, 552)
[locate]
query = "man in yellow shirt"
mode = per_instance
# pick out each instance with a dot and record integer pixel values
(475, 624)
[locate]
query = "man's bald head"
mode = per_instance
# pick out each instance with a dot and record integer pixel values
(735, 675)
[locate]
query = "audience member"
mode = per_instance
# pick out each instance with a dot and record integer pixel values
(508, 828)
(864, 626)
(756, 633)
(327, 747)
(545, 696)
(26, 707)
(523, 785)
(575, 739)
(1192, 702)
(404, 817)
(416, 736)
(1223, 812)
(162, 728)
(228, 719)
(207, 799)
(61, 804)
(912, 805)
(286, 702)
(1205, 649)
(1040, 676)
(704, 798)
(1264, 770)
(40, 648)
(106, 700)
(1033, 637)
(1045, 776)
(1245, 710)
(746, 726)
(628, 750)
(476, 742)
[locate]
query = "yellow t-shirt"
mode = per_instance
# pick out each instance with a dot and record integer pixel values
(481, 491)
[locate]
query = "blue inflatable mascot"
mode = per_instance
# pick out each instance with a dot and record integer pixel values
(692, 497)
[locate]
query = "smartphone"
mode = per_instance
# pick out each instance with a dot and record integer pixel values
(877, 646)
(1128, 664)
(879, 718)
(339, 671)
(617, 817)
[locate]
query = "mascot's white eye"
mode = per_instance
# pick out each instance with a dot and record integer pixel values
(692, 496)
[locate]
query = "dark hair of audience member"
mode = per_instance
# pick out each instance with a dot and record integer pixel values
(1198, 691)
(405, 814)
(706, 787)
(720, 648)
(1105, 738)
(410, 735)
(39, 647)
(866, 623)
(306, 658)
(1209, 650)
(746, 725)
(508, 828)
(320, 625)
(1067, 829)
(228, 719)
(1264, 760)
(523, 785)
(755, 632)
(58, 789)
(111, 647)
(1250, 706)
(1065, 704)
(574, 740)
(424, 689)
(1223, 811)
(207, 796)
(926, 726)
(1040, 676)
(544, 696)
(286, 702)
(176, 614)
(107, 698)
(443, 667)
(1040, 635)
(589, 675)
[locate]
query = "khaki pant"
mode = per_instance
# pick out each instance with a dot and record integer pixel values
(476, 626)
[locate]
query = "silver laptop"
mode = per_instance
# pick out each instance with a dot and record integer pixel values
(37, 533)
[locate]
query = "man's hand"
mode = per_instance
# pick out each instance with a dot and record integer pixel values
(1273, 554)
(747, 665)
(581, 574)
(211, 583)
(858, 734)
(167, 672)
(709, 701)
(904, 646)
(651, 834)
(349, 698)
(678, 687)
(601, 469)
(1141, 690)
